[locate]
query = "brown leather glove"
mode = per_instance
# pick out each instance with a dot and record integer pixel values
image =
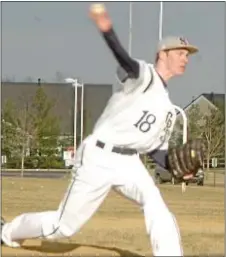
(186, 159)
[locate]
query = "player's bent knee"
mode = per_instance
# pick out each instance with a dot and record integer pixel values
(53, 228)
(60, 232)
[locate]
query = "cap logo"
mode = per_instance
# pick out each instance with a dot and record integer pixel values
(183, 41)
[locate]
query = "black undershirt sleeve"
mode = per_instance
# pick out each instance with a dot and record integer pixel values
(160, 157)
(130, 65)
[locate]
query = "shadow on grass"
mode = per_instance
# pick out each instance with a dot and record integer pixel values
(59, 247)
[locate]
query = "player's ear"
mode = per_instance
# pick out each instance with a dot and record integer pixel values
(161, 55)
(156, 58)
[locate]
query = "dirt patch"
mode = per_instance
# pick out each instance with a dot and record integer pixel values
(117, 229)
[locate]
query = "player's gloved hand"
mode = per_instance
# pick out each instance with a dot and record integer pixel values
(185, 161)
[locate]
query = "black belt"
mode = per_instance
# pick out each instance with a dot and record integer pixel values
(115, 149)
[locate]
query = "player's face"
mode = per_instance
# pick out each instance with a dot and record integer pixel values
(177, 61)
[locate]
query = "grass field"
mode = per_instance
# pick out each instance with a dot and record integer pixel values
(117, 229)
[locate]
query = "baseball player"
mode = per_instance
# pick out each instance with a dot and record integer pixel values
(137, 120)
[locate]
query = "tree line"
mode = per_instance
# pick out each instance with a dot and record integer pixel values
(31, 136)
(208, 126)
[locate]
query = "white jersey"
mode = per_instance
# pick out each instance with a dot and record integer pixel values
(140, 116)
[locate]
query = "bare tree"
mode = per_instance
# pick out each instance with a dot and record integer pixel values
(15, 132)
(210, 127)
(195, 122)
(31, 128)
(23, 131)
(194, 126)
(214, 134)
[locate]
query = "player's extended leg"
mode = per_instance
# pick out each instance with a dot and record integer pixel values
(138, 185)
(86, 192)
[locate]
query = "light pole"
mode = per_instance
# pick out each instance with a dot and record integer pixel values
(76, 84)
(185, 125)
(130, 27)
(176, 107)
(82, 109)
(160, 20)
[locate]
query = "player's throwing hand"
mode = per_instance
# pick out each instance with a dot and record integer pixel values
(99, 15)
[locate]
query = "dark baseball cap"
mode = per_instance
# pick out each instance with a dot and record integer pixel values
(170, 43)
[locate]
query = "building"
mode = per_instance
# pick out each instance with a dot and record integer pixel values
(205, 102)
(96, 97)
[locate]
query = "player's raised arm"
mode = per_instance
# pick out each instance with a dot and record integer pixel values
(103, 22)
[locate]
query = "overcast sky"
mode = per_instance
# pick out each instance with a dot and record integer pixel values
(39, 39)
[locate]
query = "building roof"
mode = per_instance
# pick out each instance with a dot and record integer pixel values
(212, 98)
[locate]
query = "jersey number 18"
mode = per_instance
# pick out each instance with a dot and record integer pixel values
(145, 122)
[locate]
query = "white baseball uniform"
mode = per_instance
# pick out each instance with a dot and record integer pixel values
(140, 116)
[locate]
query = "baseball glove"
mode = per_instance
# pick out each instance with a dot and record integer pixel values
(186, 159)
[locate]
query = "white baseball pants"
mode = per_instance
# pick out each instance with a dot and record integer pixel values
(101, 170)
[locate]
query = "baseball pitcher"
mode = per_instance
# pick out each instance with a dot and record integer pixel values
(137, 120)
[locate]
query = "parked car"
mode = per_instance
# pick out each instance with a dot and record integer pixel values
(198, 178)
(163, 176)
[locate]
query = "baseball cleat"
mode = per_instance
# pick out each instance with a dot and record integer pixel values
(2, 223)
(7, 242)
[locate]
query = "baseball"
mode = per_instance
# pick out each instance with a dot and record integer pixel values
(97, 8)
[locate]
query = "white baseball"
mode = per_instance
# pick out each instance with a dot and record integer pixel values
(98, 8)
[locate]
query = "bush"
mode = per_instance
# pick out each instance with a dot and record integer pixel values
(13, 163)
(52, 162)
(36, 162)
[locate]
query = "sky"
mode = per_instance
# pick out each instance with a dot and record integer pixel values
(55, 40)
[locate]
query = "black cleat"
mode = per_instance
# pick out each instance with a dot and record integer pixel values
(2, 223)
